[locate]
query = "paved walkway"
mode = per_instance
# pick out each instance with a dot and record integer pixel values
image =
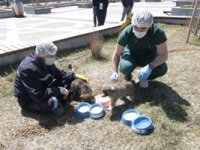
(62, 23)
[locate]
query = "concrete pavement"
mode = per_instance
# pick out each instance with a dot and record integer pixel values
(65, 22)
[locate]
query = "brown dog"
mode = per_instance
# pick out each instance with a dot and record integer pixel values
(81, 91)
(118, 91)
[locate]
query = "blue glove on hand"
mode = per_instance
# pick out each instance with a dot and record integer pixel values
(114, 77)
(145, 72)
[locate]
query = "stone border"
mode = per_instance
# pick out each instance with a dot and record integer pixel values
(37, 10)
(176, 20)
(183, 2)
(179, 11)
(7, 14)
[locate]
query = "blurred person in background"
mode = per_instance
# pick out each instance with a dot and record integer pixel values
(127, 8)
(99, 11)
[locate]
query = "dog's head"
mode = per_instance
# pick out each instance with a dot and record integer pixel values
(108, 90)
(87, 97)
(82, 91)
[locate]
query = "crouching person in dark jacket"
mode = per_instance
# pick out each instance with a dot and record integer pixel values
(39, 85)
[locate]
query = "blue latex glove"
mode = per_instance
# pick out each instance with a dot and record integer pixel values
(114, 77)
(145, 72)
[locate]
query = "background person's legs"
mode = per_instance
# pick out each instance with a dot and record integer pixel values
(126, 12)
(123, 14)
(95, 16)
(101, 16)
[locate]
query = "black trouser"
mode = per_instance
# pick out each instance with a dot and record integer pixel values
(101, 15)
(126, 12)
(129, 62)
(95, 16)
(40, 106)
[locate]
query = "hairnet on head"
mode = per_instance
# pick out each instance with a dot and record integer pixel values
(45, 48)
(142, 18)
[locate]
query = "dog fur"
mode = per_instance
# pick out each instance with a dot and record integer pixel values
(81, 91)
(118, 91)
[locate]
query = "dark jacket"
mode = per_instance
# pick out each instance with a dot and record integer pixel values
(96, 3)
(34, 79)
(127, 3)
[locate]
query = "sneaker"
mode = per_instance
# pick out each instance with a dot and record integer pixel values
(144, 83)
(58, 112)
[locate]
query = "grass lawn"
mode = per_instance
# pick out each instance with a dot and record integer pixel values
(173, 103)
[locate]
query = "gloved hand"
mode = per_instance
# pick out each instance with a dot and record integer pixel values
(63, 91)
(145, 72)
(114, 77)
(82, 77)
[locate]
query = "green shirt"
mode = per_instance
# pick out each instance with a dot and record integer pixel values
(143, 46)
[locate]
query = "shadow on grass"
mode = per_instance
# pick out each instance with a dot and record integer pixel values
(49, 121)
(158, 94)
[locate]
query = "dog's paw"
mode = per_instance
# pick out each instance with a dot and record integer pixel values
(109, 108)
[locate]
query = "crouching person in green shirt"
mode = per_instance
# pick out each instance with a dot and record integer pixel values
(143, 44)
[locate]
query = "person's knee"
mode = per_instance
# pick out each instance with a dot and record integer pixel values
(126, 67)
(159, 71)
(163, 69)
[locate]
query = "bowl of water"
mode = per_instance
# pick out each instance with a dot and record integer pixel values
(83, 110)
(129, 115)
(97, 111)
(142, 125)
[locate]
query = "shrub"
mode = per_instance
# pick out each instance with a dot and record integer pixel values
(96, 45)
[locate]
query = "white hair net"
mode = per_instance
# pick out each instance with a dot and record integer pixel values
(142, 18)
(45, 48)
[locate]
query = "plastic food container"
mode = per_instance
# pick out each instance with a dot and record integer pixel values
(129, 115)
(83, 110)
(142, 125)
(96, 111)
(104, 100)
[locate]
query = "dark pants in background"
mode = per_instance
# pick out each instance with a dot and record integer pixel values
(95, 16)
(99, 15)
(126, 12)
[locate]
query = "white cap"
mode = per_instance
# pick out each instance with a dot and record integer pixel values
(142, 18)
(45, 48)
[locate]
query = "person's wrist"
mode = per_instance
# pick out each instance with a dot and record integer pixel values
(151, 66)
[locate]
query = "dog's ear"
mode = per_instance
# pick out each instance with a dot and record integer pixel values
(112, 88)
